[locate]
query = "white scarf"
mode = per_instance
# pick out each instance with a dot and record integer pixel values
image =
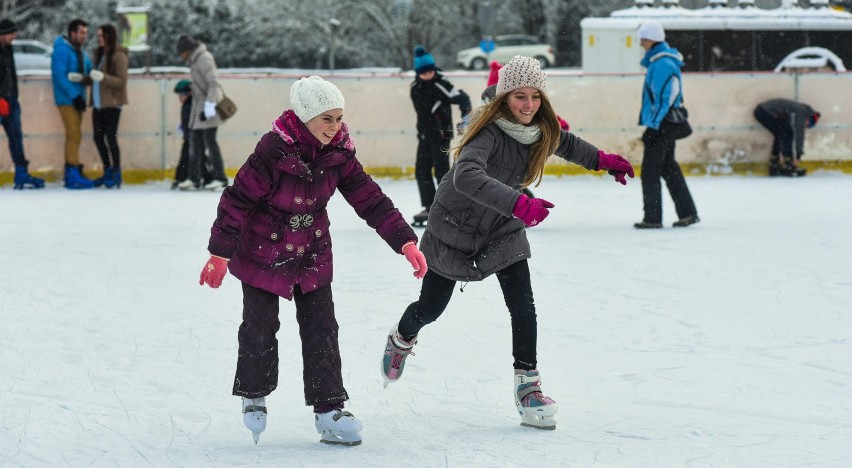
(522, 133)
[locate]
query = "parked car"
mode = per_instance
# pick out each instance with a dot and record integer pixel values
(506, 47)
(31, 54)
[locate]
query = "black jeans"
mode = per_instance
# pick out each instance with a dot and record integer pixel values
(12, 126)
(659, 161)
(105, 133)
(517, 293)
(201, 140)
(781, 131)
(257, 361)
(182, 169)
(431, 153)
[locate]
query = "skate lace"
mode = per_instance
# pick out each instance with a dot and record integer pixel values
(399, 355)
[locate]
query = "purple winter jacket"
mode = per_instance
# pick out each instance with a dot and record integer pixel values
(272, 222)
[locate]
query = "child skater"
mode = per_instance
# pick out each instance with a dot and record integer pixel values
(271, 231)
(477, 224)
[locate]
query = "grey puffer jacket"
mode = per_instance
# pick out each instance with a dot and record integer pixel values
(471, 232)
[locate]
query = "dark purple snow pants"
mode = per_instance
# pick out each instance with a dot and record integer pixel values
(257, 362)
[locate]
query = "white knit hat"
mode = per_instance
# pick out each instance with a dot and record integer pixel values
(520, 72)
(311, 96)
(651, 30)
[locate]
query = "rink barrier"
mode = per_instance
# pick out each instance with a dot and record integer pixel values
(601, 109)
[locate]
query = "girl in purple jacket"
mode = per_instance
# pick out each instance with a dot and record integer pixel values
(271, 231)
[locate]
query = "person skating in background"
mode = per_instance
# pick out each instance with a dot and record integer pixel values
(183, 90)
(786, 120)
(272, 233)
(661, 91)
(69, 72)
(10, 108)
(432, 95)
(203, 120)
(490, 91)
(109, 93)
(476, 226)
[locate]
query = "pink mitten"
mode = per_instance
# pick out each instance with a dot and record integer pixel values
(615, 165)
(214, 271)
(531, 210)
(416, 259)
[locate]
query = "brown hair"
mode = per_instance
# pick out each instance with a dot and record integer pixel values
(544, 118)
(110, 44)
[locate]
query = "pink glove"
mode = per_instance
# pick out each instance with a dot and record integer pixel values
(531, 210)
(416, 259)
(615, 165)
(214, 271)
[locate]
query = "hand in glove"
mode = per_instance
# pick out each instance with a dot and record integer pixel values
(462, 125)
(75, 77)
(209, 110)
(4, 108)
(79, 103)
(615, 165)
(96, 75)
(416, 259)
(214, 272)
(531, 210)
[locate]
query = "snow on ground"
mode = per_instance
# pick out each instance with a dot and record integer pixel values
(728, 343)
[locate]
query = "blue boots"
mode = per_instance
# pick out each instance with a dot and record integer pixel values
(74, 178)
(24, 180)
(110, 179)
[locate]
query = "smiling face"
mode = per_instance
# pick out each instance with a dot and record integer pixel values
(326, 125)
(523, 103)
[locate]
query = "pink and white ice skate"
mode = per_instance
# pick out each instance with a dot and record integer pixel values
(536, 410)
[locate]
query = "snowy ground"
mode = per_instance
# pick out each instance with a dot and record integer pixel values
(725, 344)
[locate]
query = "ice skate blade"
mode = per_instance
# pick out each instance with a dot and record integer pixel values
(255, 436)
(350, 443)
(546, 428)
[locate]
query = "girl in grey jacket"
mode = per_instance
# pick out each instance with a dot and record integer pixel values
(477, 223)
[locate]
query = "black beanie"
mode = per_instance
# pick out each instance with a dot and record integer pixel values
(7, 26)
(186, 44)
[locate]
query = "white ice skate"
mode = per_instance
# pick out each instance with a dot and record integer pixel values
(338, 427)
(254, 415)
(536, 410)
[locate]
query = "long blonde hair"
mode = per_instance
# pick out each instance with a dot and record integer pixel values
(545, 118)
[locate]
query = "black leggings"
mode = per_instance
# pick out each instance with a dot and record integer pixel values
(105, 132)
(517, 293)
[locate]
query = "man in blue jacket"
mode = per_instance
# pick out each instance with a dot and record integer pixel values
(69, 68)
(661, 92)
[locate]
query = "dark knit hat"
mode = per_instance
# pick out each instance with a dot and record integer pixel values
(7, 26)
(423, 60)
(183, 86)
(186, 43)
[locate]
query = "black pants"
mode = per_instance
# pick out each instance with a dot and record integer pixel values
(257, 361)
(200, 141)
(431, 153)
(659, 161)
(781, 130)
(105, 133)
(182, 169)
(517, 293)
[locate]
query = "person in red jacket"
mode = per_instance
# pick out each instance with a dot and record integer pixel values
(272, 233)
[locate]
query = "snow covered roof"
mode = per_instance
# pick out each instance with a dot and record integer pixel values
(716, 16)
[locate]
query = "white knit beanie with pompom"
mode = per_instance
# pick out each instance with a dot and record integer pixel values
(311, 96)
(520, 72)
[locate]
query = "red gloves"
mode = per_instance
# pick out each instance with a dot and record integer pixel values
(214, 271)
(615, 165)
(416, 259)
(4, 108)
(531, 210)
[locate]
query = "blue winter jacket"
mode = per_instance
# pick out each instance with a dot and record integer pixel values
(62, 62)
(662, 87)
